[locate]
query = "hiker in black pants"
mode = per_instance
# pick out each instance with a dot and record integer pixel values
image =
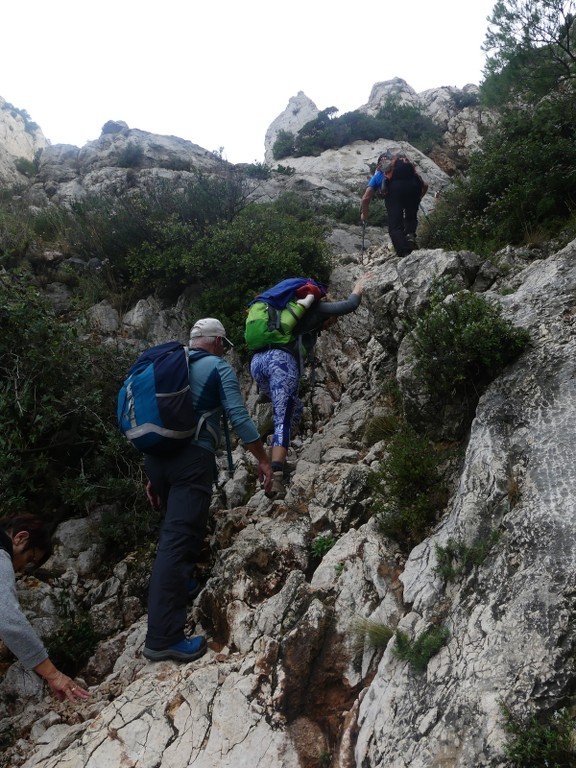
(402, 187)
(181, 483)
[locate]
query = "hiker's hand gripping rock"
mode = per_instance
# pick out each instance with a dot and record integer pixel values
(361, 282)
(264, 467)
(265, 475)
(62, 686)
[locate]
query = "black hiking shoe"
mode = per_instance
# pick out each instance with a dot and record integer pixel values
(412, 243)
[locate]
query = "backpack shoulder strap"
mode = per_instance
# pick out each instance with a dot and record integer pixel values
(193, 355)
(196, 354)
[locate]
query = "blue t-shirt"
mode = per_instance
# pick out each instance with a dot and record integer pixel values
(377, 180)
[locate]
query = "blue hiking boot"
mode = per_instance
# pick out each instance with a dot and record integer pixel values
(186, 650)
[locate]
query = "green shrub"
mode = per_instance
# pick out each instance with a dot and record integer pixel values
(461, 344)
(382, 427)
(285, 170)
(27, 167)
(406, 122)
(419, 651)
(456, 559)
(259, 171)
(283, 145)
(408, 489)
(130, 156)
(547, 740)
(73, 644)
(395, 121)
(176, 164)
(29, 125)
(321, 545)
(372, 633)
(50, 224)
(133, 526)
(519, 182)
(145, 236)
(411, 466)
(348, 213)
(60, 448)
(462, 100)
(409, 522)
(16, 233)
(199, 232)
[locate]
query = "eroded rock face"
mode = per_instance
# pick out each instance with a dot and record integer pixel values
(509, 619)
(288, 680)
(300, 110)
(121, 158)
(20, 140)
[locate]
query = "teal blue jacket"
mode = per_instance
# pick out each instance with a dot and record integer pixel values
(215, 390)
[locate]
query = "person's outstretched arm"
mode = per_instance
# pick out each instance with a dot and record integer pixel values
(365, 203)
(19, 636)
(327, 308)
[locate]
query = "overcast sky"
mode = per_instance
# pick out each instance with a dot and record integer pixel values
(218, 73)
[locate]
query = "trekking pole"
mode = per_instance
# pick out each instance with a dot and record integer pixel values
(228, 448)
(363, 236)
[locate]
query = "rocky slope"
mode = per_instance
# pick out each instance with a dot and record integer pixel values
(288, 681)
(291, 680)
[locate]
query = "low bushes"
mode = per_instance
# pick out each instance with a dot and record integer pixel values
(409, 489)
(461, 344)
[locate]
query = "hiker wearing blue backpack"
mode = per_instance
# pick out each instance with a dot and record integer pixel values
(276, 367)
(181, 481)
(398, 182)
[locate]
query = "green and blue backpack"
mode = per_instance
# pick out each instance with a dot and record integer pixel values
(273, 315)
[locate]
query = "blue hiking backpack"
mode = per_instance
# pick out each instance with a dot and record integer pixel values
(155, 410)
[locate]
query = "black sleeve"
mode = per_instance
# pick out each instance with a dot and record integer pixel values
(327, 308)
(314, 318)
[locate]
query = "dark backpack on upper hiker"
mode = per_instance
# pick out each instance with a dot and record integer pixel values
(398, 167)
(273, 316)
(155, 410)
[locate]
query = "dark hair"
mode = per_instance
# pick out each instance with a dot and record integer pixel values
(38, 535)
